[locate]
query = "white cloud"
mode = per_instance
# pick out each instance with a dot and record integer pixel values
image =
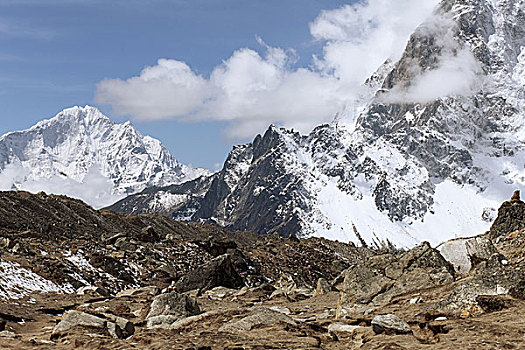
(15, 176)
(360, 37)
(168, 89)
(251, 91)
(457, 72)
(248, 90)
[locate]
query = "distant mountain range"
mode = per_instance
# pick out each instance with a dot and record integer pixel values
(81, 153)
(411, 166)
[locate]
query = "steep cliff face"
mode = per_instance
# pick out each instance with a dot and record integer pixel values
(82, 146)
(436, 149)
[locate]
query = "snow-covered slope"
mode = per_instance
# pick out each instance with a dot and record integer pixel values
(81, 153)
(431, 154)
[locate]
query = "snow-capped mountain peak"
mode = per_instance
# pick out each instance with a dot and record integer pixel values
(438, 144)
(82, 153)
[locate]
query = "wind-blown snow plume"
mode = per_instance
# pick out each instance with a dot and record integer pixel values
(454, 71)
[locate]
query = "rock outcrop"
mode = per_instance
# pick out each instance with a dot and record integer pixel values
(511, 217)
(378, 279)
(217, 272)
(465, 253)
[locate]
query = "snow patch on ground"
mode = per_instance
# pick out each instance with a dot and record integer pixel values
(17, 282)
(85, 266)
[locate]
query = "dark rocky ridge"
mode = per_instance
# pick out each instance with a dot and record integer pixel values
(146, 201)
(42, 231)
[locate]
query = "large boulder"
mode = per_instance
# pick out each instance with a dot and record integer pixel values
(492, 280)
(464, 253)
(168, 308)
(127, 328)
(363, 283)
(73, 319)
(148, 234)
(217, 272)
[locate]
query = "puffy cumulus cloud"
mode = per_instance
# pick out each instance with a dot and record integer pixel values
(251, 90)
(168, 89)
(248, 90)
(100, 193)
(255, 91)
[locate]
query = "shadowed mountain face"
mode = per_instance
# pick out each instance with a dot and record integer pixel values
(432, 154)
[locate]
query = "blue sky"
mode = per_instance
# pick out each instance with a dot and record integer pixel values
(228, 68)
(53, 53)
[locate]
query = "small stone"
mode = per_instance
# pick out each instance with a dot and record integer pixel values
(112, 239)
(323, 287)
(260, 316)
(8, 334)
(114, 330)
(368, 311)
(281, 309)
(149, 290)
(219, 293)
(324, 315)
(90, 290)
(390, 324)
(464, 314)
(416, 300)
(343, 328)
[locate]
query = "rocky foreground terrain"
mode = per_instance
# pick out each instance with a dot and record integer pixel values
(74, 277)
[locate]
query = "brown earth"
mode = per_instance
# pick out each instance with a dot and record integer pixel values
(503, 329)
(40, 232)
